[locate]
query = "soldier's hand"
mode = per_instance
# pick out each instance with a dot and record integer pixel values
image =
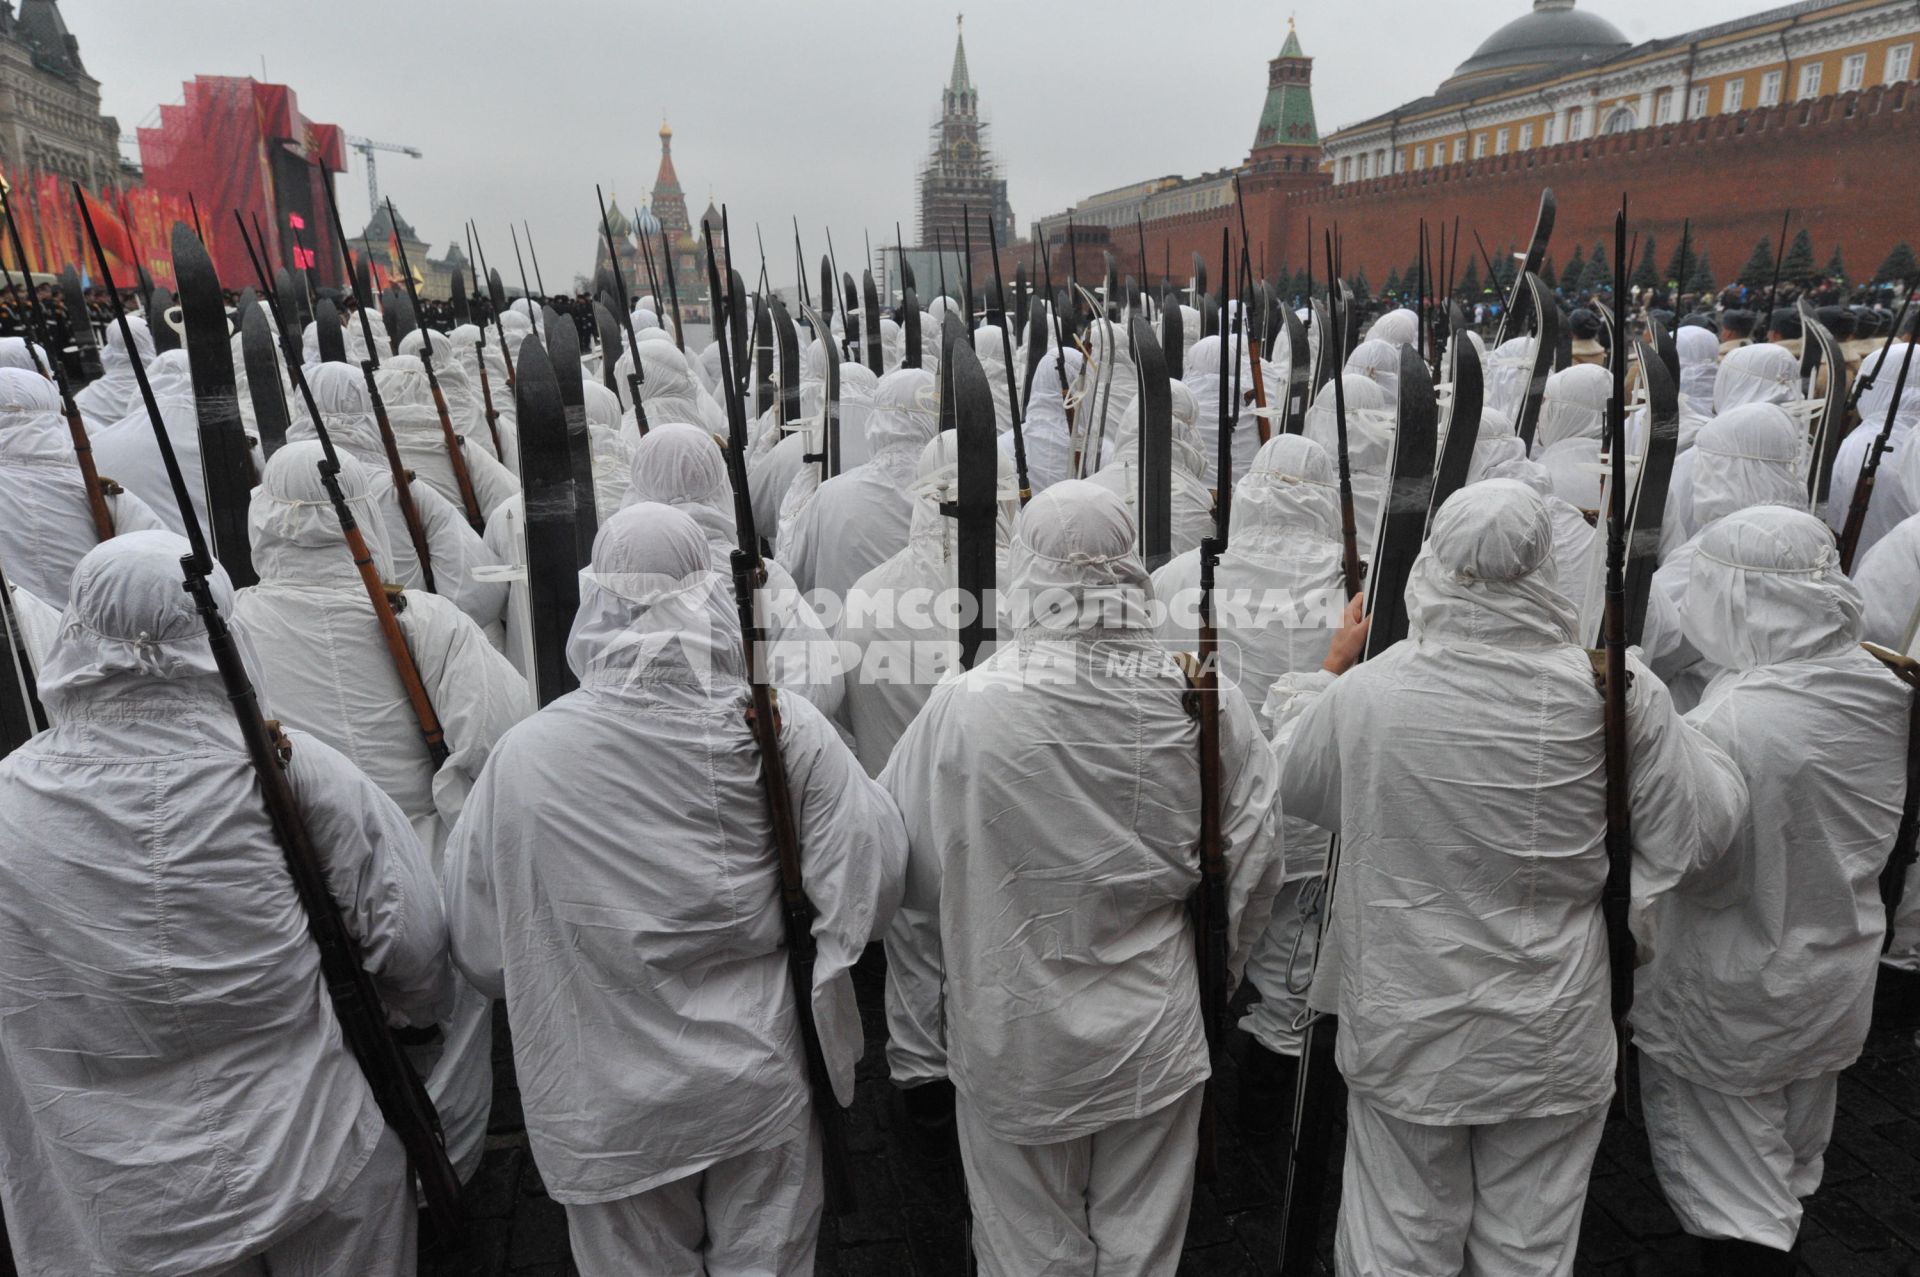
(1350, 640)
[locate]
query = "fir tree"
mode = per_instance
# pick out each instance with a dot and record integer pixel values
(1678, 272)
(1362, 290)
(1599, 276)
(1393, 282)
(1470, 282)
(1302, 286)
(1900, 266)
(1547, 275)
(1797, 266)
(1700, 276)
(1644, 273)
(1837, 267)
(1576, 270)
(1758, 272)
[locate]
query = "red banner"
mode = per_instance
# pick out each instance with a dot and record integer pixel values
(136, 229)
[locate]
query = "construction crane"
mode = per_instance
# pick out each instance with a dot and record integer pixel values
(367, 146)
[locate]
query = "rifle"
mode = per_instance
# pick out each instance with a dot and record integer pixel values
(1870, 467)
(762, 716)
(646, 258)
(1616, 901)
(386, 600)
(1864, 382)
(396, 1088)
(533, 308)
(98, 490)
(480, 354)
(454, 452)
(1207, 906)
(673, 289)
(533, 253)
(402, 477)
(635, 378)
(1261, 421)
(1059, 344)
(1229, 405)
(1349, 535)
(496, 299)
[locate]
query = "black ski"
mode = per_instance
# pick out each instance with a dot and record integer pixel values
(1822, 349)
(563, 354)
(1463, 426)
(910, 328)
(871, 306)
(1155, 450)
(1536, 254)
(1651, 489)
(223, 439)
(1546, 331)
(553, 555)
(1173, 337)
(263, 379)
(976, 506)
(1300, 386)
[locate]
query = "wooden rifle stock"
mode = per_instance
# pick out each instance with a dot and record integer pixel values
(402, 477)
(385, 607)
(486, 391)
(796, 910)
(386, 601)
(98, 489)
(1207, 907)
(461, 477)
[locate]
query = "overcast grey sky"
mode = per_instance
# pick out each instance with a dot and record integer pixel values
(782, 107)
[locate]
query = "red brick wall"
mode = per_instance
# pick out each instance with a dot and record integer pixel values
(1847, 166)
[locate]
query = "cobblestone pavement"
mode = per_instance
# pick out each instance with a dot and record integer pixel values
(1864, 1222)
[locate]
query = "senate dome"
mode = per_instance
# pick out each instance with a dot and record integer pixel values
(1555, 32)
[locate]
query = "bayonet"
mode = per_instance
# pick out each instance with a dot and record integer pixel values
(526, 294)
(635, 378)
(496, 300)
